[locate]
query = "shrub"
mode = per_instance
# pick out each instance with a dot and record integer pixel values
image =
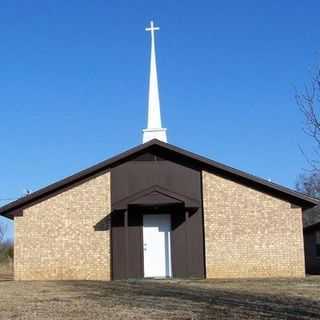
(6, 251)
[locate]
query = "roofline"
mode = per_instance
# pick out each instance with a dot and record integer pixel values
(242, 174)
(17, 204)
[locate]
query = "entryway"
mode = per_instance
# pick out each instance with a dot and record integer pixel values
(157, 245)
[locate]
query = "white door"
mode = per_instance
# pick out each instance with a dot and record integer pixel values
(156, 242)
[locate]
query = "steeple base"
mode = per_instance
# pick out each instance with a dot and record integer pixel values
(157, 133)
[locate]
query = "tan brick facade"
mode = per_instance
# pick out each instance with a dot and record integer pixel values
(56, 238)
(249, 233)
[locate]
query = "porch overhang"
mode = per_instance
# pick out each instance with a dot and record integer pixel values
(155, 196)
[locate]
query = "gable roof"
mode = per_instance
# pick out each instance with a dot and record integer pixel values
(184, 155)
(155, 195)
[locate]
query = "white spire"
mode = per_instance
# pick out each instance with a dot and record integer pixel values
(154, 129)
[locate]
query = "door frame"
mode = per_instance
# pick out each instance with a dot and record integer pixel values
(168, 257)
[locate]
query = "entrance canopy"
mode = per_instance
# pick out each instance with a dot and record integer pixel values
(156, 196)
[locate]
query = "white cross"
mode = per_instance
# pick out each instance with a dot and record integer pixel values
(152, 28)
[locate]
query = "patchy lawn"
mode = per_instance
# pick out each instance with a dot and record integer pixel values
(208, 299)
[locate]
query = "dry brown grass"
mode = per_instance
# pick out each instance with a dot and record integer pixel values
(6, 270)
(210, 299)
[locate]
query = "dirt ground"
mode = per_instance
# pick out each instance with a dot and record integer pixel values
(206, 299)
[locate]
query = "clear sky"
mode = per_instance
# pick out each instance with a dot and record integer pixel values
(74, 79)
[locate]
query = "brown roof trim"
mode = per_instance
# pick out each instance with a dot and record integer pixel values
(207, 164)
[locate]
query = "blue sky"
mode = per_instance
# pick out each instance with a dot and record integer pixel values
(74, 79)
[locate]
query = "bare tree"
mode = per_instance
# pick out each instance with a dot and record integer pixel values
(2, 233)
(6, 246)
(309, 104)
(309, 183)
(2, 243)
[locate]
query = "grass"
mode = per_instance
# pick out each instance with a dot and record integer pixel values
(207, 299)
(6, 270)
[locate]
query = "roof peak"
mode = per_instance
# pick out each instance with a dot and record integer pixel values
(203, 163)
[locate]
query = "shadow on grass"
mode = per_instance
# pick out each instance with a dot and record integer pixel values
(202, 303)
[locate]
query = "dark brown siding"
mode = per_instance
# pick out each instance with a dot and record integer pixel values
(135, 245)
(196, 248)
(118, 246)
(179, 245)
(187, 230)
(144, 172)
(311, 259)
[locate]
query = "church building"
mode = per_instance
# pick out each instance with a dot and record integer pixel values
(158, 211)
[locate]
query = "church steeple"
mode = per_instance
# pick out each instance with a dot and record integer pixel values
(154, 129)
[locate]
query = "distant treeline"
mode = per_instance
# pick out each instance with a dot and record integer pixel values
(6, 251)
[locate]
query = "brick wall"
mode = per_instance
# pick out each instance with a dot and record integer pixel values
(249, 233)
(56, 238)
